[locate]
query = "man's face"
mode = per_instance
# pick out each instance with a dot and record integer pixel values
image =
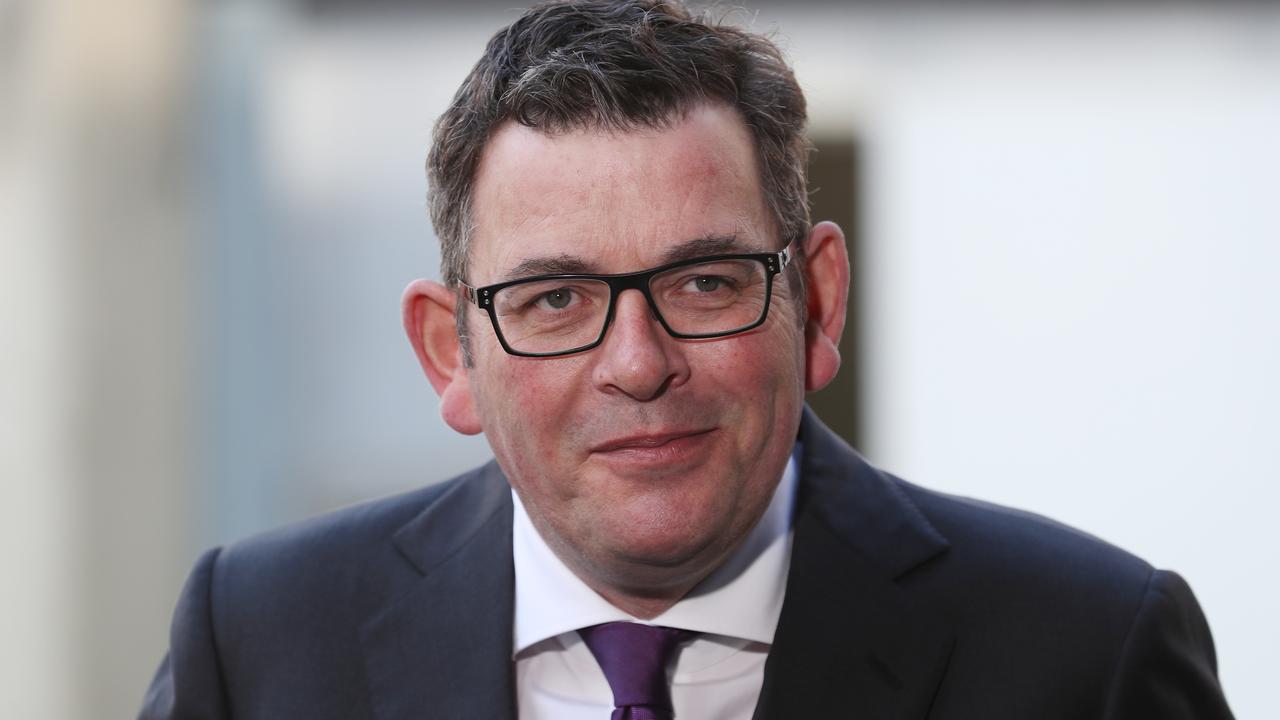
(644, 461)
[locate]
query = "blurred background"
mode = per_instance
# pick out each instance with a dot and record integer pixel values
(1065, 226)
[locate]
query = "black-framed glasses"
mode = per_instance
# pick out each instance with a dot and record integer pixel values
(706, 297)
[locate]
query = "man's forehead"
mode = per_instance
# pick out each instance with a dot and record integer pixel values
(709, 142)
(597, 201)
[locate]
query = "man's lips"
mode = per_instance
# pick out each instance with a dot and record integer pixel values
(648, 441)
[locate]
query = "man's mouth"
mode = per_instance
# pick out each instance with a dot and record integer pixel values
(654, 448)
(646, 441)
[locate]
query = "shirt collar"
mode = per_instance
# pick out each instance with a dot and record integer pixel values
(740, 599)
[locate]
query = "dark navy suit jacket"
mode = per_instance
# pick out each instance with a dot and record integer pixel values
(901, 604)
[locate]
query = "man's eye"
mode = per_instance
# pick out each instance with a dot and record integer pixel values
(707, 283)
(557, 299)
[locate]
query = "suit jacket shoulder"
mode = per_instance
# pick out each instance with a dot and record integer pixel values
(1009, 566)
(333, 617)
(1083, 624)
(908, 603)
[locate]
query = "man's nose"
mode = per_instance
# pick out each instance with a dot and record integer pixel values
(638, 358)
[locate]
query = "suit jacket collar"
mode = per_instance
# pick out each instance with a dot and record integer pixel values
(441, 648)
(852, 638)
(864, 507)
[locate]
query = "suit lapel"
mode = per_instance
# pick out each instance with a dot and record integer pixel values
(853, 639)
(442, 647)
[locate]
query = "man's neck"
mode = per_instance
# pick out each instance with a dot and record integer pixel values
(650, 601)
(643, 608)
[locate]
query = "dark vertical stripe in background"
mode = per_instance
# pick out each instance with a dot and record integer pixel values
(834, 193)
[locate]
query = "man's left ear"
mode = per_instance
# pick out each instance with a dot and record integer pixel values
(827, 281)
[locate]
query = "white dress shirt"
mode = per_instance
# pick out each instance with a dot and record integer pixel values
(717, 676)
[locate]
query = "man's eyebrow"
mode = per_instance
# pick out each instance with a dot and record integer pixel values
(552, 265)
(706, 245)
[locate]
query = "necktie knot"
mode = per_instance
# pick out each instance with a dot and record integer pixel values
(634, 659)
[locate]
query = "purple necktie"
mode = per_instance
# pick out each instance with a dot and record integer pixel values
(634, 658)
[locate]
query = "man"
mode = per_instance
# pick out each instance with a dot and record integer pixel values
(634, 304)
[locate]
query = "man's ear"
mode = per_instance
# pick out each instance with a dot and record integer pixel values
(827, 275)
(428, 309)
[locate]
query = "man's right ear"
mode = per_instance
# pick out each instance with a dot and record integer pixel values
(428, 309)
